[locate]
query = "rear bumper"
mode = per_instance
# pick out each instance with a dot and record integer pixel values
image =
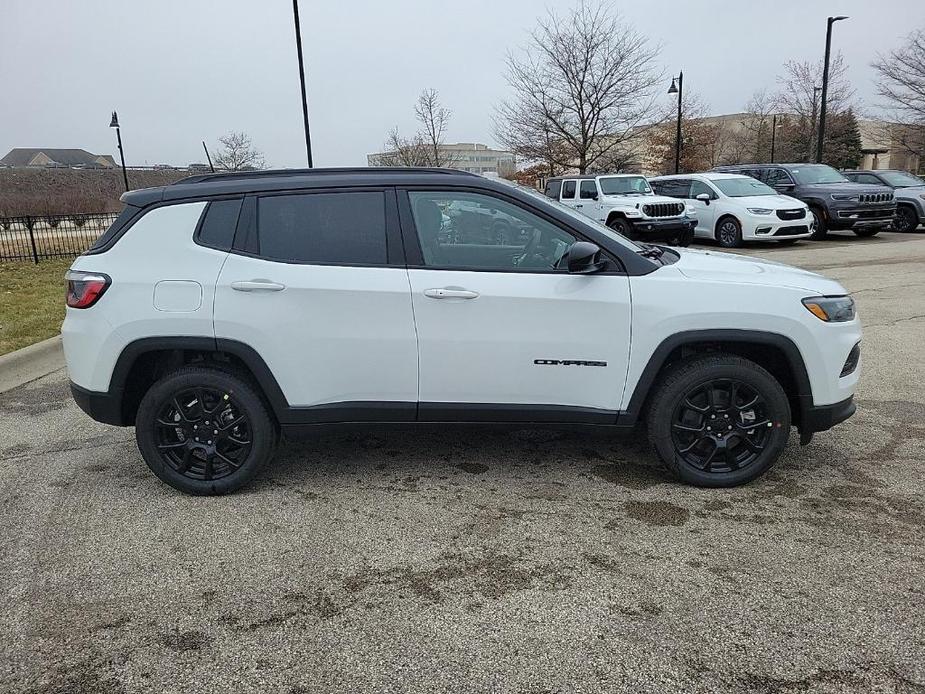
(103, 407)
(823, 417)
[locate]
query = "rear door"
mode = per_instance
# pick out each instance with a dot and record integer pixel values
(569, 192)
(316, 286)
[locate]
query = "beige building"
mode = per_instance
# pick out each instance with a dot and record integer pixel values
(467, 156)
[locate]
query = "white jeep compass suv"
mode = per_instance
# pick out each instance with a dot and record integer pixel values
(227, 308)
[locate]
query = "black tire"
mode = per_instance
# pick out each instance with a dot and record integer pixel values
(866, 232)
(729, 232)
(766, 426)
(819, 222)
(621, 226)
(194, 402)
(906, 219)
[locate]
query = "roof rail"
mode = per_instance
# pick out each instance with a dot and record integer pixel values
(277, 173)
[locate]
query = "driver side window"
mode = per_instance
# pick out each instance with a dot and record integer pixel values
(461, 230)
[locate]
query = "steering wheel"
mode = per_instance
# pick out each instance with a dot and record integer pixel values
(529, 249)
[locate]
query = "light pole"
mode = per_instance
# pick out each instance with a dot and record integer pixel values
(812, 127)
(114, 123)
(774, 126)
(825, 85)
(677, 87)
(298, 45)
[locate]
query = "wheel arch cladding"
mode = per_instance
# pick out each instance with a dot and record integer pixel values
(776, 353)
(143, 361)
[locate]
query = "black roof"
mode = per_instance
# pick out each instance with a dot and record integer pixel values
(231, 182)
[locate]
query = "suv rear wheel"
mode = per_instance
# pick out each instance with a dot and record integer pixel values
(204, 431)
(718, 421)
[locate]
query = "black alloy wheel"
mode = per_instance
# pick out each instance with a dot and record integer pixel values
(721, 425)
(622, 227)
(205, 431)
(718, 420)
(203, 434)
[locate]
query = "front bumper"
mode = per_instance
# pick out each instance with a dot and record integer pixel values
(823, 417)
(653, 226)
(859, 217)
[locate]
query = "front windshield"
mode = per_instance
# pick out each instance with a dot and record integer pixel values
(901, 179)
(817, 173)
(742, 187)
(624, 185)
(607, 231)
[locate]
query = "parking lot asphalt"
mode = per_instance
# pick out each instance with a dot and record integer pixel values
(533, 561)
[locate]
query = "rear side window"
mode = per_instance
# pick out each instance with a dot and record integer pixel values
(568, 189)
(553, 188)
(115, 230)
(218, 224)
(343, 228)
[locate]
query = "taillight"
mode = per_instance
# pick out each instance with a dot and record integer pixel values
(85, 288)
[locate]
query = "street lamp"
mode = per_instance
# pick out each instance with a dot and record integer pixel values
(298, 45)
(812, 125)
(825, 85)
(114, 123)
(677, 87)
(774, 127)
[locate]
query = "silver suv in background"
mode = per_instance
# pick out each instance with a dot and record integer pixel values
(908, 190)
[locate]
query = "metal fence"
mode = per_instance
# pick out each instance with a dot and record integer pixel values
(41, 237)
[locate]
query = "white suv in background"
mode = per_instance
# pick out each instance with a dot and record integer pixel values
(225, 309)
(731, 208)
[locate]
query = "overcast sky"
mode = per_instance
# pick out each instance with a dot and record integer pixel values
(179, 71)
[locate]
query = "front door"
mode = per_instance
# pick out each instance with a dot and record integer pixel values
(321, 294)
(503, 333)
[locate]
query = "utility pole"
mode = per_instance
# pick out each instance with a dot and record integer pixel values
(298, 45)
(820, 142)
(773, 135)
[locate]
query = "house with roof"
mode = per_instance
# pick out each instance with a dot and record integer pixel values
(49, 157)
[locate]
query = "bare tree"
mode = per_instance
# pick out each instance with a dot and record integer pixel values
(902, 86)
(238, 153)
(702, 143)
(425, 147)
(435, 120)
(401, 151)
(583, 86)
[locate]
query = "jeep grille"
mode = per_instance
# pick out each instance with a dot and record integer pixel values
(663, 209)
(876, 197)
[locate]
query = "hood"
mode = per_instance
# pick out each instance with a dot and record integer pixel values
(849, 188)
(739, 269)
(640, 199)
(773, 202)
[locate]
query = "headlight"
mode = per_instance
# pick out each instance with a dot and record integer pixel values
(845, 196)
(759, 210)
(831, 309)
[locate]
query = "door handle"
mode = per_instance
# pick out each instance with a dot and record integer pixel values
(577, 205)
(258, 286)
(446, 293)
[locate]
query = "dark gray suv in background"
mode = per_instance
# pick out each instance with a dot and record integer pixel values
(836, 202)
(908, 189)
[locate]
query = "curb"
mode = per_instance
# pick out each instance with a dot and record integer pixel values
(29, 363)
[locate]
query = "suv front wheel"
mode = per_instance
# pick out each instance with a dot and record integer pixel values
(204, 431)
(718, 421)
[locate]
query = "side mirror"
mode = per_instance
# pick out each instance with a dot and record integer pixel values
(594, 196)
(704, 197)
(785, 186)
(584, 258)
